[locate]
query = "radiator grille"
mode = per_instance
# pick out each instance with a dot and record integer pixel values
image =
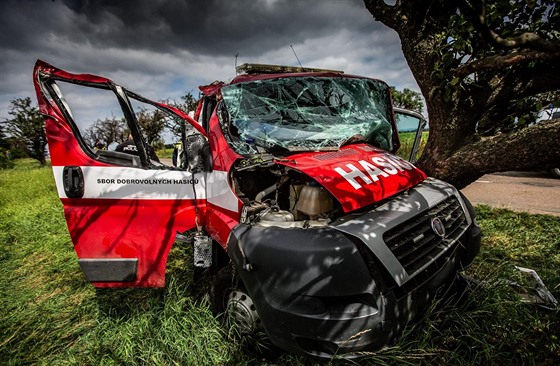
(414, 242)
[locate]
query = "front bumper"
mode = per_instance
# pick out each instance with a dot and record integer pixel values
(351, 286)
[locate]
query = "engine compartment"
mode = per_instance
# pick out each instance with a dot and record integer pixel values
(276, 195)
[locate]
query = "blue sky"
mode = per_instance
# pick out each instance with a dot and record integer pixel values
(165, 48)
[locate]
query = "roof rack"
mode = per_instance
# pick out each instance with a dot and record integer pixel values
(278, 69)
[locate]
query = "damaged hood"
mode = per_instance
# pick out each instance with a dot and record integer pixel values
(357, 175)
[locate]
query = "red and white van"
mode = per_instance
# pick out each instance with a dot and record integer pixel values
(288, 188)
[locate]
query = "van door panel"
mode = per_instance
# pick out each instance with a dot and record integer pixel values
(122, 217)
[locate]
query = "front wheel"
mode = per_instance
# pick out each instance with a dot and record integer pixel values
(231, 301)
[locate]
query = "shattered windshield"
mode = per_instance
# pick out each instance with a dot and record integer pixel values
(307, 113)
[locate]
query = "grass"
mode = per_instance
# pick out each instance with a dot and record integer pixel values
(165, 153)
(493, 326)
(49, 314)
(407, 140)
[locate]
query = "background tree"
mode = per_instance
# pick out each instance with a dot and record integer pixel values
(152, 124)
(5, 154)
(187, 104)
(481, 67)
(108, 130)
(4, 142)
(25, 129)
(407, 99)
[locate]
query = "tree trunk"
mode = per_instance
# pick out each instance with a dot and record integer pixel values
(455, 152)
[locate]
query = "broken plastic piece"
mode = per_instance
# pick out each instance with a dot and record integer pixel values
(535, 292)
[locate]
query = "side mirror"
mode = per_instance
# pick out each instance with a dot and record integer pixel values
(199, 157)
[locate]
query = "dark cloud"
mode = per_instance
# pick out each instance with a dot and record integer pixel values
(151, 44)
(216, 27)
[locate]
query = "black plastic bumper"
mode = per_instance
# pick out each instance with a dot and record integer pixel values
(354, 285)
(317, 296)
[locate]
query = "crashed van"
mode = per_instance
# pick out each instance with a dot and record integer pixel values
(289, 190)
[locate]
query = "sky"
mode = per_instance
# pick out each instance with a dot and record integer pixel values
(163, 49)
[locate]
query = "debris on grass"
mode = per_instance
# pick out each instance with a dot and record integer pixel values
(533, 290)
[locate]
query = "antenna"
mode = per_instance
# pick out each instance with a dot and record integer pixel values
(237, 54)
(295, 54)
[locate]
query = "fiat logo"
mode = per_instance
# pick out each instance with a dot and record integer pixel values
(438, 227)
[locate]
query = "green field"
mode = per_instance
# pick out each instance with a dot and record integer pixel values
(50, 315)
(407, 139)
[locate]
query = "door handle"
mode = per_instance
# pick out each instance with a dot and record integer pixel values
(73, 179)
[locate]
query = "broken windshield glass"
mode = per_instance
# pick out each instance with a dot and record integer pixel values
(307, 113)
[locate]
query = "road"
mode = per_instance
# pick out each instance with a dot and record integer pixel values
(534, 192)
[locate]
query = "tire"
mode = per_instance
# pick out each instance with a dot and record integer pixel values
(232, 304)
(555, 172)
(221, 286)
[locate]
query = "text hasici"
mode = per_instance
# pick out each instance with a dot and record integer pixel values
(382, 167)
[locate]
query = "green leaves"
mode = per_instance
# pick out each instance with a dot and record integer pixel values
(407, 99)
(454, 81)
(25, 129)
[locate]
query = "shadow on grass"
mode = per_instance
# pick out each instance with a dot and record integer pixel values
(490, 325)
(124, 303)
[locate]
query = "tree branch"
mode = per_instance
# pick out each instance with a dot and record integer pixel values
(530, 148)
(382, 12)
(477, 15)
(498, 62)
(524, 82)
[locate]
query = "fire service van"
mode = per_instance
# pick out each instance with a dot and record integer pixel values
(287, 185)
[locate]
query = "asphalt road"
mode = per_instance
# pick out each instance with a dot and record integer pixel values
(534, 192)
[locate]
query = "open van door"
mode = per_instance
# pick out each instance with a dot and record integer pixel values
(123, 210)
